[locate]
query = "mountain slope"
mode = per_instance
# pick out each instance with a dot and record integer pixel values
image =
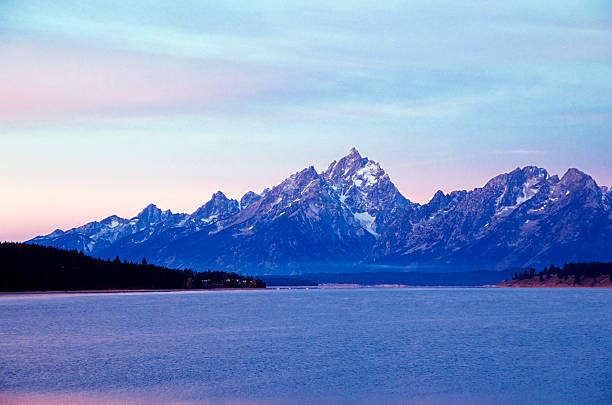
(296, 225)
(522, 218)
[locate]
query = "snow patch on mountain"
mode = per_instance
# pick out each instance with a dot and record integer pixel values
(370, 173)
(367, 221)
(530, 189)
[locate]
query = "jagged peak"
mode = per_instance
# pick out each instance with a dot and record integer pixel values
(529, 172)
(57, 232)
(438, 195)
(151, 213)
(248, 198)
(219, 196)
(354, 153)
(310, 169)
(149, 208)
(331, 166)
(358, 181)
(218, 204)
(535, 172)
(438, 199)
(216, 198)
(308, 173)
(353, 159)
(298, 180)
(354, 156)
(496, 181)
(349, 166)
(112, 221)
(574, 177)
(249, 194)
(573, 172)
(458, 193)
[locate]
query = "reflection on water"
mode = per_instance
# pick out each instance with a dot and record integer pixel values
(147, 399)
(415, 346)
(98, 399)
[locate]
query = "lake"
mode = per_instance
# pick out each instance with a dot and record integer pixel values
(420, 346)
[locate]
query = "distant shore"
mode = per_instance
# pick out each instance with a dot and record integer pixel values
(555, 282)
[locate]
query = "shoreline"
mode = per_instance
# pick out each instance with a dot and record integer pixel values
(319, 287)
(601, 287)
(123, 291)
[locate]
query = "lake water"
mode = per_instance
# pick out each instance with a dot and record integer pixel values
(344, 346)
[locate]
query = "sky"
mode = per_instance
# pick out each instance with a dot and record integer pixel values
(107, 106)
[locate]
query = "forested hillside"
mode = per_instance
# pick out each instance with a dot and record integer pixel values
(25, 267)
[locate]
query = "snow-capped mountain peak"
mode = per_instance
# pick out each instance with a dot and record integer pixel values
(218, 208)
(510, 190)
(353, 213)
(366, 190)
(150, 214)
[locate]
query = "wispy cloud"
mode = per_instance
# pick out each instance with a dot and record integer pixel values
(71, 82)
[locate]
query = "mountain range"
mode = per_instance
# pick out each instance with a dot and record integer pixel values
(351, 217)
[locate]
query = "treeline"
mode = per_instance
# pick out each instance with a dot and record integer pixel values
(222, 279)
(25, 267)
(578, 270)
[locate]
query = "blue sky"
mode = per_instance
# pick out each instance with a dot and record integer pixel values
(106, 106)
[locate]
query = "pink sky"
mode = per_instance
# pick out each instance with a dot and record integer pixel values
(104, 110)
